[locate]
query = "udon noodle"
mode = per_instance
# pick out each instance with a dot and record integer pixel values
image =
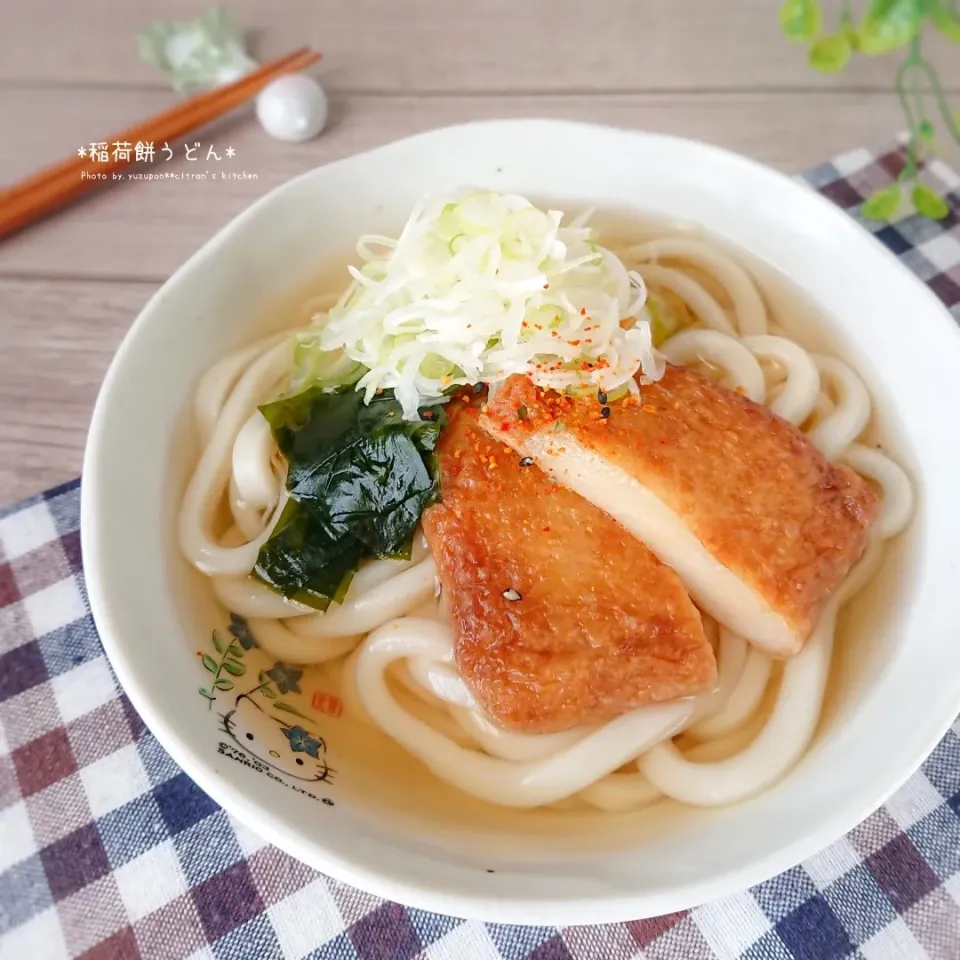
(391, 632)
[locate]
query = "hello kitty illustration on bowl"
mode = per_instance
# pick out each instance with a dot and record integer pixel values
(289, 749)
(265, 732)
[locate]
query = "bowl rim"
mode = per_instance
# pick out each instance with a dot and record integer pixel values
(389, 882)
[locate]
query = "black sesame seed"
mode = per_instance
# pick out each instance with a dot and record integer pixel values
(601, 396)
(512, 594)
(477, 388)
(526, 462)
(605, 412)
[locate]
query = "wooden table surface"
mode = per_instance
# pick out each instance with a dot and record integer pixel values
(69, 74)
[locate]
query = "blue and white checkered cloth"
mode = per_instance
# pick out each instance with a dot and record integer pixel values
(109, 852)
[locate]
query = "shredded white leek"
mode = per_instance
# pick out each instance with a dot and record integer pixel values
(480, 286)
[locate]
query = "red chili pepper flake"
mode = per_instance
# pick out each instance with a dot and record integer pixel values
(428, 415)
(574, 343)
(583, 311)
(546, 286)
(504, 426)
(546, 529)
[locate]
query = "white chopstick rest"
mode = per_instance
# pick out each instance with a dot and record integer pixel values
(292, 108)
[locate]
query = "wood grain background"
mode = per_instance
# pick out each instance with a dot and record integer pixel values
(69, 74)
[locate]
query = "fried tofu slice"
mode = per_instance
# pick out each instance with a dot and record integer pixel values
(759, 526)
(561, 616)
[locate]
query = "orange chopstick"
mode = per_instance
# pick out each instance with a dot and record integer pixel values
(52, 188)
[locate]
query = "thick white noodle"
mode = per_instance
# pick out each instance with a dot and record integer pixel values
(252, 460)
(711, 630)
(217, 383)
(730, 665)
(747, 302)
(840, 428)
(366, 611)
(798, 395)
(251, 598)
(373, 591)
(211, 477)
(723, 351)
(399, 674)
(786, 734)
(618, 792)
(742, 702)
(411, 696)
(507, 783)
(897, 490)
(441, 679)
(280, 642)
(249, 520)
(509, 745)
(704, 307)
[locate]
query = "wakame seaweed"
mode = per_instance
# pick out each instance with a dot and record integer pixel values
(359, 478)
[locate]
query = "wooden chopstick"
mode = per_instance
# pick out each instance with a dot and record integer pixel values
(46, 191)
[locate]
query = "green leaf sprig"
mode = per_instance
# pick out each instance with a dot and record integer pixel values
(883, 27)
(230, 654)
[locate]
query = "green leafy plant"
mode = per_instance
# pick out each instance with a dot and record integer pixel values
(885, 26)
(229, 662)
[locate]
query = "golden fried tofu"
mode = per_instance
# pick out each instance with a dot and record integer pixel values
(561, 616)
(760, 527)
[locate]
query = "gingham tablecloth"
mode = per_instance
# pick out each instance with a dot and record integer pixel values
(109, 851)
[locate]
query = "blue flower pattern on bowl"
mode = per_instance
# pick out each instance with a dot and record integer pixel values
(264, 732)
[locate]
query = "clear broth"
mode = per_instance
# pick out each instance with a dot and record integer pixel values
(380, 779)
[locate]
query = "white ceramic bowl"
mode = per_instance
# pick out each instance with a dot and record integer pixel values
(894, 696)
